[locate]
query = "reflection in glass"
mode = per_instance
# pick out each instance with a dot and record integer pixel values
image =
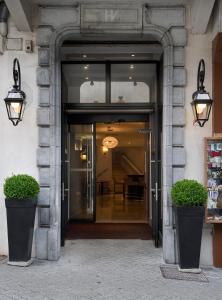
(133, 83)
(84, 83)
(81, 172)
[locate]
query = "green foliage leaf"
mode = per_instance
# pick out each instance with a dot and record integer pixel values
(21, 186)
(188, 192)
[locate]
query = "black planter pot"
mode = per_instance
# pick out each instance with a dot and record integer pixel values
(189, 224)
(20, 221)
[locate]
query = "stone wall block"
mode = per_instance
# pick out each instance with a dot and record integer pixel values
(179, 156)
(168, 76)
(179, 35)
(167, 158)
(43, 76)
(178, 96)
(167, 56)
(44, 96)
(44, 136)
(169, 251)
(41, 243)
(168, 95)
(179, 77)
(167, 136)
(57, 16)
(179, 57)
(178, 116)
(43, 157)
(178, 174)
(165, 16)
(44, 216)
(168, 177)
(53, 243)
(43, 116)
(167, 115)
(44, 176)
(43, 36)
(167, 216)
(58, 136)
(110, 17)
(43, 197)
(178, 136)
(43, 56)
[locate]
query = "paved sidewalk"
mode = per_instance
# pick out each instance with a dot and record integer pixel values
(103, 269)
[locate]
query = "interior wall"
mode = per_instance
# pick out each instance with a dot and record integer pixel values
(135, 155)
(103, 163)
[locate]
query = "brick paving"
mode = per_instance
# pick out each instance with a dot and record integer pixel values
(103, 269)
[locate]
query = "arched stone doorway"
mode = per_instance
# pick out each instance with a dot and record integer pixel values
(49, 39)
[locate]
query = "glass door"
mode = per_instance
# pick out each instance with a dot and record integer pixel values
(81, 203)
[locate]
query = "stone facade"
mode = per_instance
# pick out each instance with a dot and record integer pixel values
(166, 25)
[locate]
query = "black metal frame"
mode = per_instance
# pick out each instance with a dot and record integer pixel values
(201, 90)
(93, 119)
(108, 103)
(17, 90)
(110, 112)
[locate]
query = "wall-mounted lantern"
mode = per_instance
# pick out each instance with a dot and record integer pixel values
(15, 100)
(202, 101)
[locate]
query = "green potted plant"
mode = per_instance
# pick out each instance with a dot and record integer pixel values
(21, 198)
(189, 197)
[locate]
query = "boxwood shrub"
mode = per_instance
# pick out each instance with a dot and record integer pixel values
(21, 186)
(188, 192)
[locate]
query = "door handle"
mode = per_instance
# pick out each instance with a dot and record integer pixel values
(156, 191)
(63, 191)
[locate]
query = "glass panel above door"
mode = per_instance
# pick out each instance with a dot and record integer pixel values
(133, 83)
(83, 83)
(109, 83)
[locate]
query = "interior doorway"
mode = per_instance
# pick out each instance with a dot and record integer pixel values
(108, 172)
(121, 173)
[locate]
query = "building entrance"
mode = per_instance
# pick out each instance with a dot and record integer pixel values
(111, 143)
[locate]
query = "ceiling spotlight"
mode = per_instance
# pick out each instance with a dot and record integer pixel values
(86, 78)
(130, 77)
(84, 56)
(86, 67)
(132, 55)
(131, 66)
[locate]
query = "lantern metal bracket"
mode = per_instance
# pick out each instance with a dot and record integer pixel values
(202, 101)
(16, 74)
(15, 100)
(201, 76)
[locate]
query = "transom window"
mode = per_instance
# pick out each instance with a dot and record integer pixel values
(109, 82)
